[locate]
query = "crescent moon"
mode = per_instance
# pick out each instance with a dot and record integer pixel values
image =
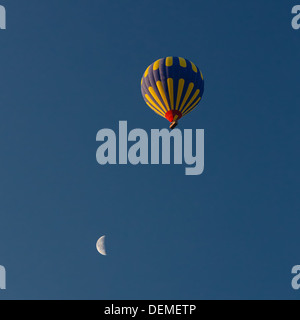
(101, 246)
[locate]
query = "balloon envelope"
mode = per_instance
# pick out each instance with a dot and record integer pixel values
(172, 87)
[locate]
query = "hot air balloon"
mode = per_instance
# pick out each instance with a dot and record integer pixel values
(172, 87)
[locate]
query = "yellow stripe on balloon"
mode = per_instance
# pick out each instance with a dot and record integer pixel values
(171, 92)
(159, 113)
(154, 105)
(194, 67)
(156, 65)
(154, 95)
(192, 100)
(169, 61)
(187, 95)
(192, 107)
(201, 76)
(179, 93)
(146, 72)
(162, 93)
(182, 62)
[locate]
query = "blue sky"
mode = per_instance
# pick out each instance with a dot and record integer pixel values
(69, 69)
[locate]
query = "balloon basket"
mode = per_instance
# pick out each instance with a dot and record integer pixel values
(174, 124)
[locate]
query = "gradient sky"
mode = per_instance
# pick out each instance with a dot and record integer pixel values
(70, 68)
